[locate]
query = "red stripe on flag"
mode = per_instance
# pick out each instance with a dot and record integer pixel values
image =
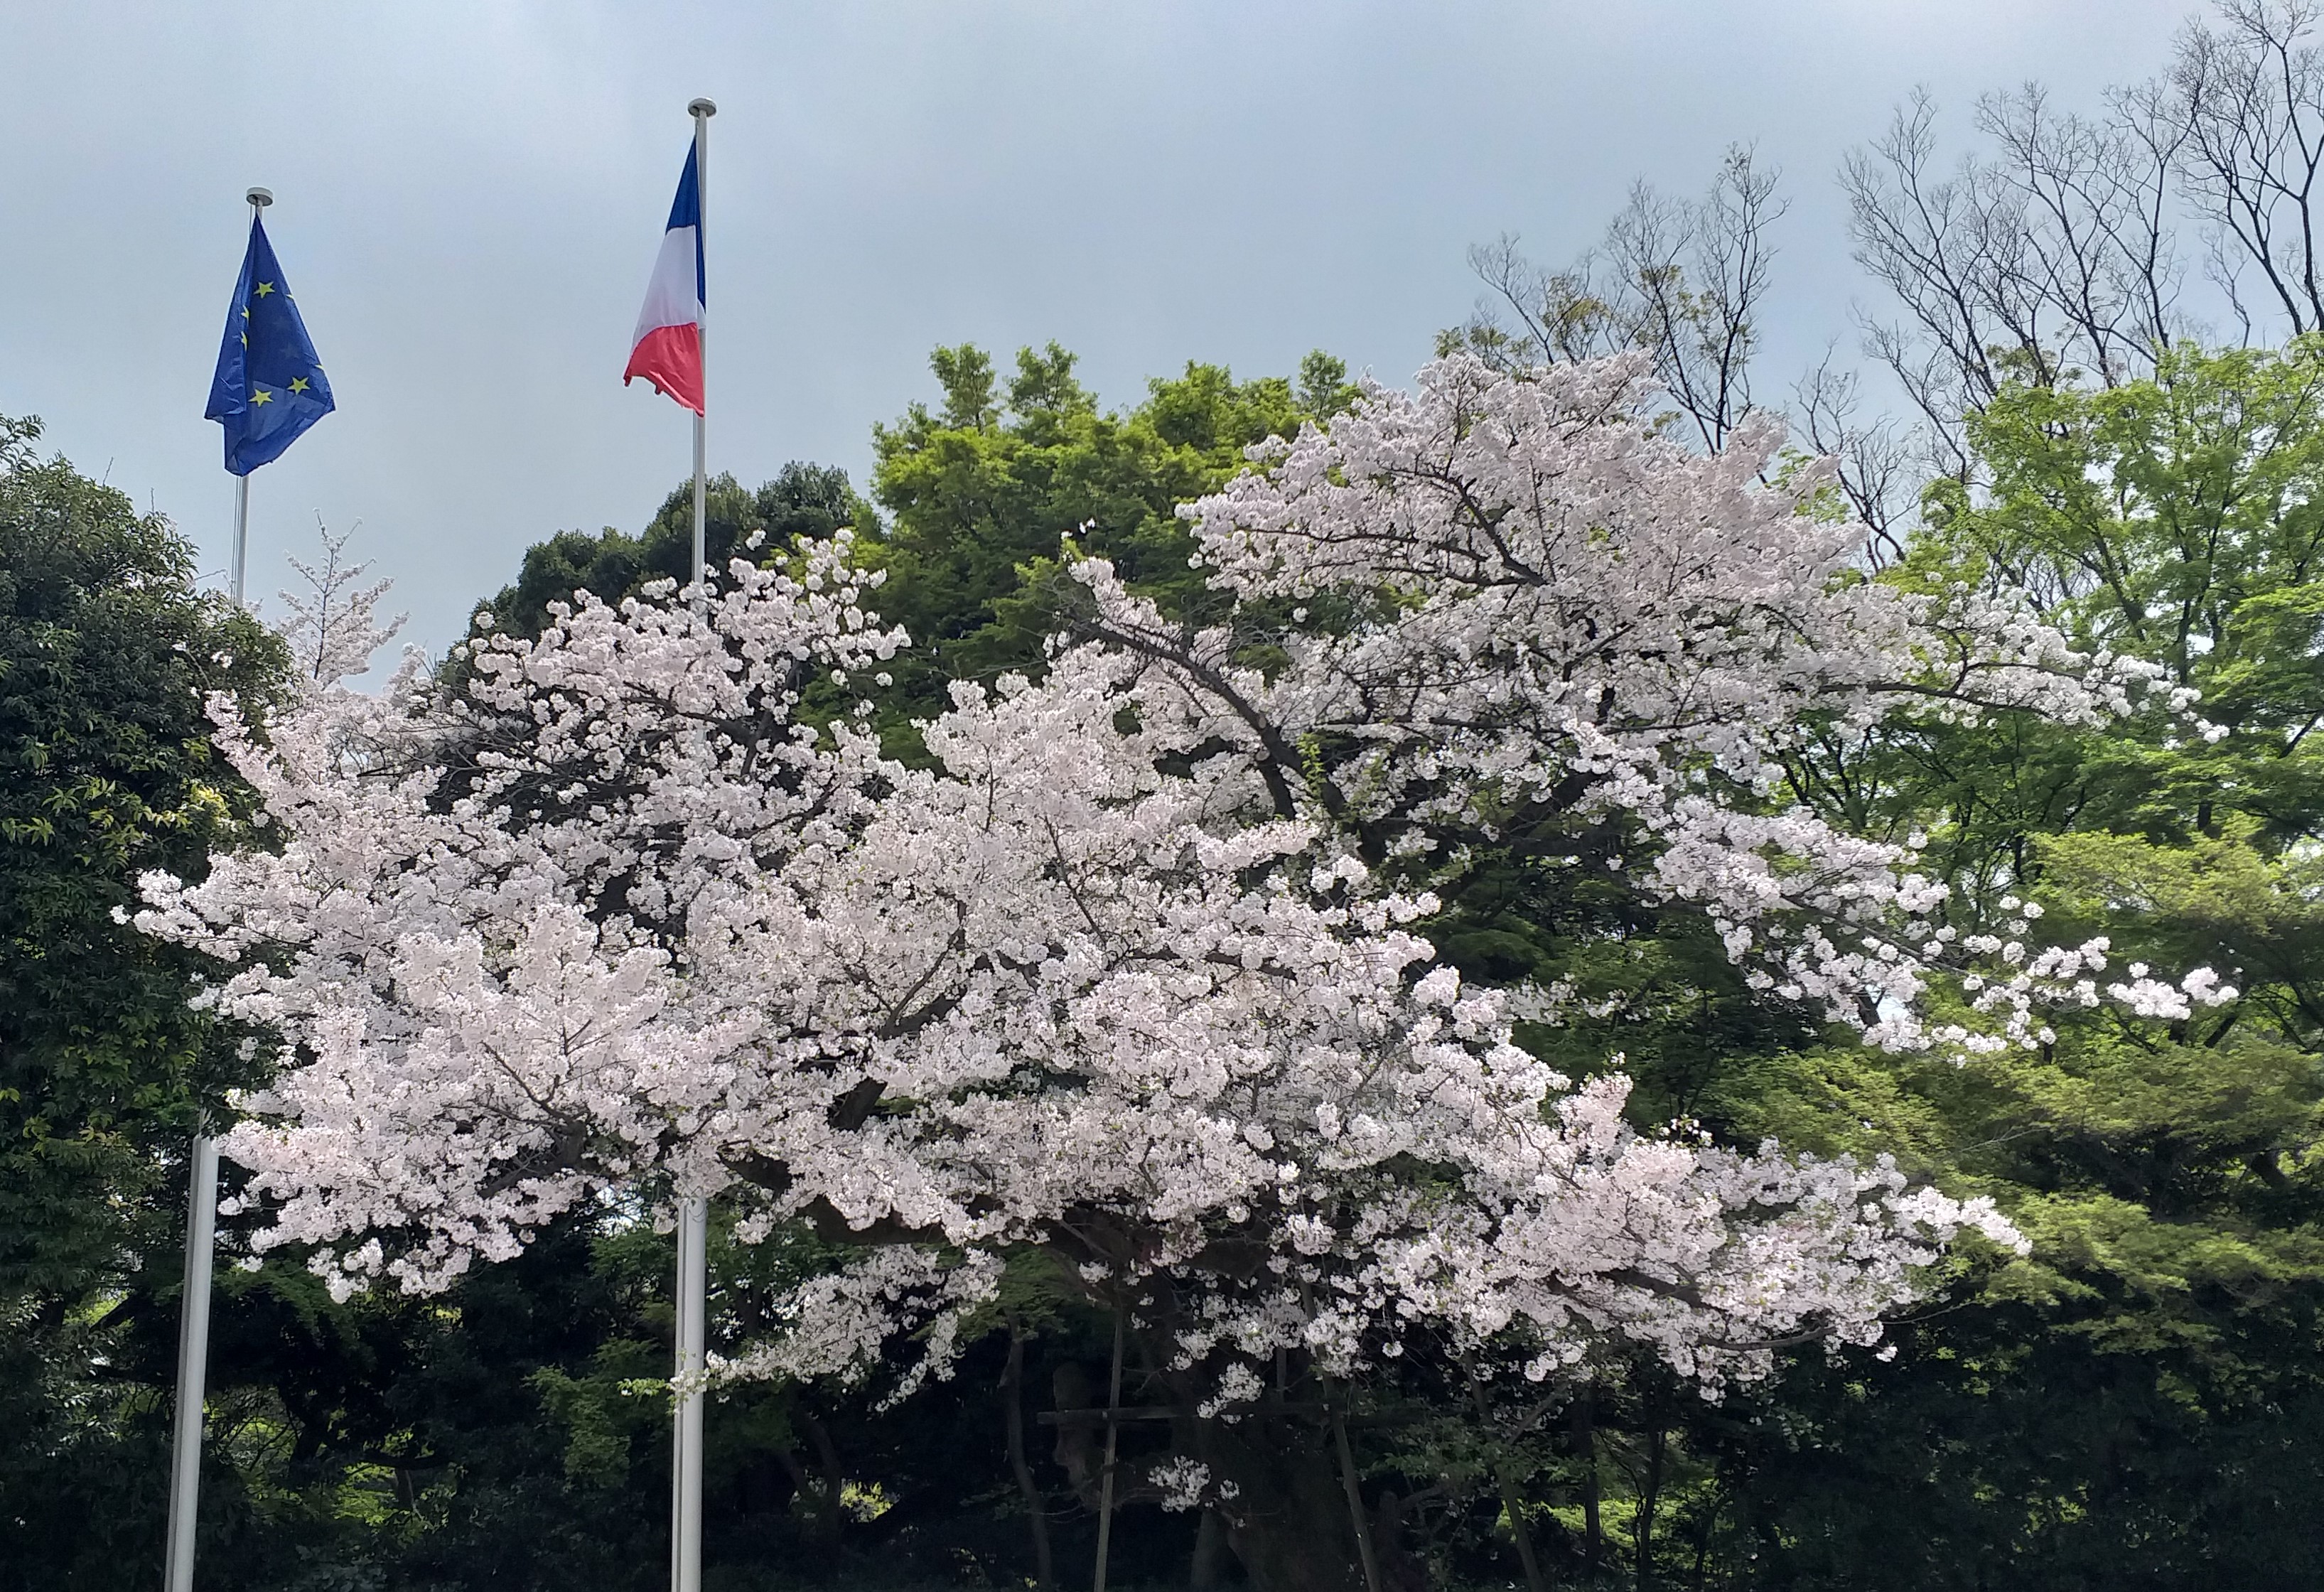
(670, 357)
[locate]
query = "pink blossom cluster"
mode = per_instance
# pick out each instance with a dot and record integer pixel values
(1136, 971)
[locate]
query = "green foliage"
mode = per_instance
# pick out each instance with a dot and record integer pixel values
(2127, 1404)
(2176, 1195)
(985, 492)
(2177, 519)
(802, 500)
(106, 653)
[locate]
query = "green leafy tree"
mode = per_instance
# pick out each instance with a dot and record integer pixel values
(2133, 1404)
(802, 501)
(2175, 518)
(107, 650)
(983, 492)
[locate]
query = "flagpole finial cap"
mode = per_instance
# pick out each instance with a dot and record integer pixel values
(702, 108)
(260, 196)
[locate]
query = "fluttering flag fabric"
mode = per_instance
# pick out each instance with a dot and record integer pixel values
(667, 350)
(269, 386)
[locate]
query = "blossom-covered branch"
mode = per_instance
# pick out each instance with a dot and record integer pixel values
(1136, 972)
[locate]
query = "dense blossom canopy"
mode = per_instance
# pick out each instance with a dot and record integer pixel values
(1135, 971)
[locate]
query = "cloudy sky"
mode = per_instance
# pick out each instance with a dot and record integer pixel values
(468, 197)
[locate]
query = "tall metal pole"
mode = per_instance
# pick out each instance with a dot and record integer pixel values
(692, 1214)
(685, 1501)
(193, 1357)
(702, 110)
(201, 1223)
(259, 199)
(240, 534)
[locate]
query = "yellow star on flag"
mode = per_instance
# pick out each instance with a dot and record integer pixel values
(264, 288)
(261, 395)
(298, 383)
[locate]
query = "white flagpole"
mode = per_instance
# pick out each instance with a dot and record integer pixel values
(193, 1354)
(201, 1223)
(692, 1214)
(686, 1533)
(701, 110)
(259, 199)
(241, 533)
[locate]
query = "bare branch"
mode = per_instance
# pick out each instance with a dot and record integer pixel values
(2246, 103)
(1874, 460)
(1683, 279)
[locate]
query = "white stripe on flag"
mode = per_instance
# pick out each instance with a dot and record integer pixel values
(669, 296)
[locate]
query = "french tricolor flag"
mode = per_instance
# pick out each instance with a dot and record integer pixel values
(668, 348)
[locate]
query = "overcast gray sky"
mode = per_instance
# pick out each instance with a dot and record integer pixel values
(468, 197)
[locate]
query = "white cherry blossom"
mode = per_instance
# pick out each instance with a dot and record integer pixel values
(1137, 970)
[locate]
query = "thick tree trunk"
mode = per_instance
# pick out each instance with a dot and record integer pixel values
(834, 1480)
(1077, 1449)
(1399, 1571)
(1037, 1512)
(1505, 1477)
(823, 1524)
(1585, 1449)
(1513, 1505)
(1703, 1540)
(1287, 1520)
(1208, 1572)
(1648, 1494)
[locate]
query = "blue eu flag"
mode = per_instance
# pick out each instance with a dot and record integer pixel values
(269, 386)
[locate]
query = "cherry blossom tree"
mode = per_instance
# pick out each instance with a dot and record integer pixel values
(1136, 973)
(331, 627)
